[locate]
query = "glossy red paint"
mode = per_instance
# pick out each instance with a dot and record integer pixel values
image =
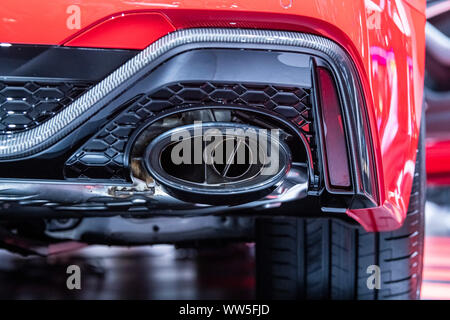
(385, 39)
(114, 32)
(438, 166)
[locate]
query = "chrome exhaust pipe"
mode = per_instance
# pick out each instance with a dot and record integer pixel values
(218, 163)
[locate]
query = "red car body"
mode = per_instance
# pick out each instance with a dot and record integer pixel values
(438, 167)
(385, 39)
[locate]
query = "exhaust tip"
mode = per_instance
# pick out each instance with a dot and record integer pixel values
(219, 162)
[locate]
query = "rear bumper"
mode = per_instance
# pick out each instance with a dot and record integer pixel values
(127, 83)
(385, 192)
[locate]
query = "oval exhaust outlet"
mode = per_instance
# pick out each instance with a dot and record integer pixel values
(219, 162)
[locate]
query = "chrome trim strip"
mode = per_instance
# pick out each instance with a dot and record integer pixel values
(137, 198)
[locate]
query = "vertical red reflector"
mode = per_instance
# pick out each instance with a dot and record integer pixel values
(335, 147)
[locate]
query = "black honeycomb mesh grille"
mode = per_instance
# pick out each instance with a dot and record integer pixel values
(25, 105)
(102, 157)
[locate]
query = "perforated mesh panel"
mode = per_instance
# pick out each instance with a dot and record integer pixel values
(102, 157)
(25, 105)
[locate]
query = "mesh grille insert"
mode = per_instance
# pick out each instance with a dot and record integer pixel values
(102, 157)
(25, 105)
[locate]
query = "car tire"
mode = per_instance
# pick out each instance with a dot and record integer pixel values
(328, 258)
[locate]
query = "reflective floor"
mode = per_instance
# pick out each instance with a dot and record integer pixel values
(161, 272)
(436, 284)
(157, 272)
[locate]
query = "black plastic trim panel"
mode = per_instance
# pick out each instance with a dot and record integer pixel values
(55, 63)
(151, 78)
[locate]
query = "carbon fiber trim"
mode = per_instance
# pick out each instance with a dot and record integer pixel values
(27, 143)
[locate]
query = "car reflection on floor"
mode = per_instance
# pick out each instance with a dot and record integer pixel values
(163, 272)
(156, 272)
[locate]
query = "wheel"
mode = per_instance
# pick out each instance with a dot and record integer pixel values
(327, 258)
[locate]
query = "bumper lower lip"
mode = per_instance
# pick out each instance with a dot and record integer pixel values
(110, 199)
